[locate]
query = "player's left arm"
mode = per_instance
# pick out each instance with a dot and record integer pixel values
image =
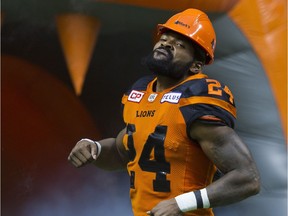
(232, 157)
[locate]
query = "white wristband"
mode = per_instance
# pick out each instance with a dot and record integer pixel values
(193, 200)
(98, 146)
(186, 202)
(205, 199)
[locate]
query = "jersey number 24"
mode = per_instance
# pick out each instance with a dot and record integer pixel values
(158, 165)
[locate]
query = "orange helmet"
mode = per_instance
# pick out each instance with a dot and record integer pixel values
(196, 25)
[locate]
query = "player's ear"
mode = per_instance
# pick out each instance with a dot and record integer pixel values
(196, 67)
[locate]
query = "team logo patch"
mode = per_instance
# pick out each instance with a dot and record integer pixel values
(172, 97)
(135, 96)
(152, 97)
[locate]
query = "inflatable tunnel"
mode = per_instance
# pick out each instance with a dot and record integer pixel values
(65, 65)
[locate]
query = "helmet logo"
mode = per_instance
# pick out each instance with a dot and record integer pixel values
(177, 22)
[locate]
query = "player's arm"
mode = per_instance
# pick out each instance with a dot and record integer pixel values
(226, 150)
(232, 157)
(108, 154)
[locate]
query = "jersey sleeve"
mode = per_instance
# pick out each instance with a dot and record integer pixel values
(209, 101)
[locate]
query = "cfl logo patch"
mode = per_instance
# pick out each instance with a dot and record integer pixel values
(152, 97)
(135, 96)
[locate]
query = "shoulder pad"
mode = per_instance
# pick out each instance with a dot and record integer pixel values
(209, 88)
(141, 84)
(207, 97)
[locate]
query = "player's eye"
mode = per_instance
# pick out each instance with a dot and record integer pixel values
(163, 39)
(180, 44)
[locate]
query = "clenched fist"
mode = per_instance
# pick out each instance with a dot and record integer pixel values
(166, 208)
(84, 152)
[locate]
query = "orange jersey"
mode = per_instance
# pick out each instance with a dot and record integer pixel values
(164, 161)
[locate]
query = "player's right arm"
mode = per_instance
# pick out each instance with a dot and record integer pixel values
(113, 155)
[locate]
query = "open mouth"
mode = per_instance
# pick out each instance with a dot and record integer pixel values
(163, 51)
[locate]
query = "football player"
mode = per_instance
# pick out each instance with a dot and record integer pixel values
(179, 130)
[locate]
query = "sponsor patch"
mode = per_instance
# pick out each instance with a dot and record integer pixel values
(172, 97)
(152, 97)
(135, 96)
(182, 24)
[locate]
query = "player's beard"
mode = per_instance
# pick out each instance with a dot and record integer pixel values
(165, 66)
